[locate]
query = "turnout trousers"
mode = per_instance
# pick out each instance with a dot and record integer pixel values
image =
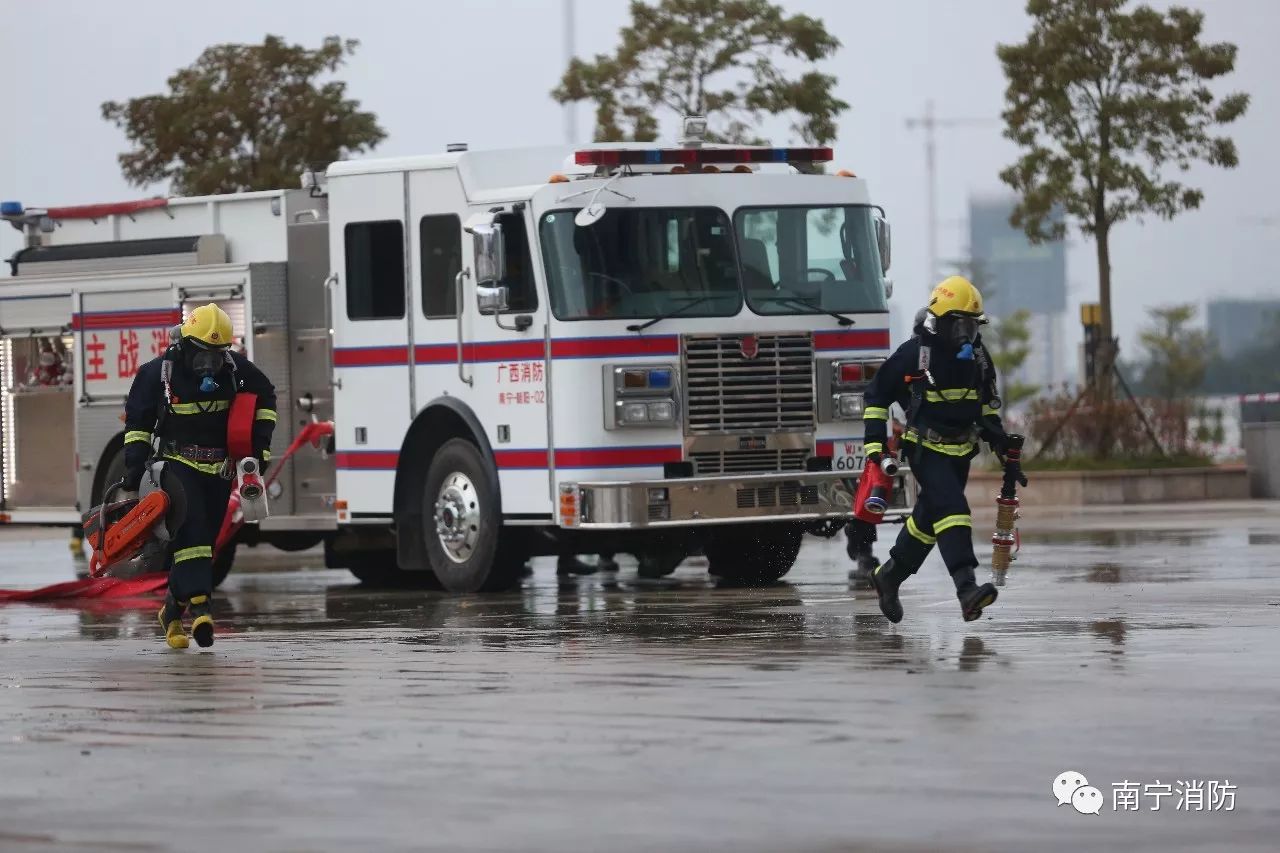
(191, 566)
(941, 515)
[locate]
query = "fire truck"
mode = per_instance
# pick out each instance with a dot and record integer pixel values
(645, 350)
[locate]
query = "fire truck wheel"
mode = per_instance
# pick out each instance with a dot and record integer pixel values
(461, 523)
(222, 564)
(754, 558)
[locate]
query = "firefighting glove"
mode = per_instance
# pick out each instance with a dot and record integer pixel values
(1000, 445)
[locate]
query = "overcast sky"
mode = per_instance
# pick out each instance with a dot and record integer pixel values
(479, 71)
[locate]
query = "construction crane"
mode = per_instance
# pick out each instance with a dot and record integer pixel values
(930, 123)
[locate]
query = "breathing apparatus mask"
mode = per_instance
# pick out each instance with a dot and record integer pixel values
(205, 362)
(956, 331)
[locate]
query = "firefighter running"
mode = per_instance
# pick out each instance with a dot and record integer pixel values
(177, 409)
(944, 380)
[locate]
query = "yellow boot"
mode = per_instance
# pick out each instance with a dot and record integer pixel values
(202, 624)
(171, 623)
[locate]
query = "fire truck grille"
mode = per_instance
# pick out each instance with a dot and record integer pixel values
(726, 392)
(748, 461)
(783, 495)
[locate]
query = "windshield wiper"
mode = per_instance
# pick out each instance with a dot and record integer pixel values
(797, 299)
(640, 327)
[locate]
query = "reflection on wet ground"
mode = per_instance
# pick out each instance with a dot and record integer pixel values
(607, 712)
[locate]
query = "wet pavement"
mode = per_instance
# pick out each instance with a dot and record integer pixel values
(609, 713)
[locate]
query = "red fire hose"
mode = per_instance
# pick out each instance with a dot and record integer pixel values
(313, 433)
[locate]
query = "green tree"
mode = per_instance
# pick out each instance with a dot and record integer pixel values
(715, 58)
(244, 117)
(1103, 101)
(1176, 357)
(1008, 339)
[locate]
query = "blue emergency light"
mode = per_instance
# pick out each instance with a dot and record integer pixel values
(11, 208)
(659, 378)
(698, 156)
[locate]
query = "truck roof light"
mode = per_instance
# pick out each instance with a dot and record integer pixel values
(557, 178)
(10, 208)
(845, 173)
(697, 156)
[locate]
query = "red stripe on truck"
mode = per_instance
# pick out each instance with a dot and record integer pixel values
(100, 211)
(101, 320)
(491, 351)
(849, 340)
(532, 458)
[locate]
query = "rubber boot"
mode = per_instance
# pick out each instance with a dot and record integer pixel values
(607, 563)
(973, 598)
(201, 622)
(171, 623)
(885, 580)
(864, 566)
(860, 549)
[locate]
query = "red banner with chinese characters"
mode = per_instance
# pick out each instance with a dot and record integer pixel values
(115, 344)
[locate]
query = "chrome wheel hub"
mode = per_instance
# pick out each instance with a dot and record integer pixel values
(457, 517)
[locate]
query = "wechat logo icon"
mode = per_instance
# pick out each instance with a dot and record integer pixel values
(1073, 789)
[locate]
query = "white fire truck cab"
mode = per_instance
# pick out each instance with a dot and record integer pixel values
(648, 350)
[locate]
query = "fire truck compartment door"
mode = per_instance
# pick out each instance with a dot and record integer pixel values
(119, 331)
(24, 315)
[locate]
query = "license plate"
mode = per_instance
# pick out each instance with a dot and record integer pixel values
(847, 456)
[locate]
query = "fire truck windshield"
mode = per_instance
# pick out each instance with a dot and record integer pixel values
(642, 263)
(804, 260)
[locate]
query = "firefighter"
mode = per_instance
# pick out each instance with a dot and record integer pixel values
(177, 410)
(944, 380)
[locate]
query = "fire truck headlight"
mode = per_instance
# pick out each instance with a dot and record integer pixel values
(849, 406)
(633, 413)
(640, 395)
(662, 412)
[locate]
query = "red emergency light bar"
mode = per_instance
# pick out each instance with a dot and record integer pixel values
(698, 156)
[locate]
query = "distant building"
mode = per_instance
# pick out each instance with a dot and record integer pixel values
(1016, 275)
(1235, 324)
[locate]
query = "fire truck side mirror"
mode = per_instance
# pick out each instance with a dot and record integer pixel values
(490, 248)
(491, 300)
(883, 243)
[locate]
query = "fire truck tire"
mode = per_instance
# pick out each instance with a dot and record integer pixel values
(461, 523)
(111, 473)
(379, 569)
(755, 557)
(222, 563)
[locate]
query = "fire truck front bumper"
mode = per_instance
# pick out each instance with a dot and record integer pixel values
(684, 502)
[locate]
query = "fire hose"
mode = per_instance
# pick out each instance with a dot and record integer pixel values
(314, 433)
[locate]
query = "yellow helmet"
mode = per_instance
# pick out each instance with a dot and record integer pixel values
(956, 295)
(209, 325)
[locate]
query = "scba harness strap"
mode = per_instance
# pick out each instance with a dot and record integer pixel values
(159, 444)
(922, 382)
